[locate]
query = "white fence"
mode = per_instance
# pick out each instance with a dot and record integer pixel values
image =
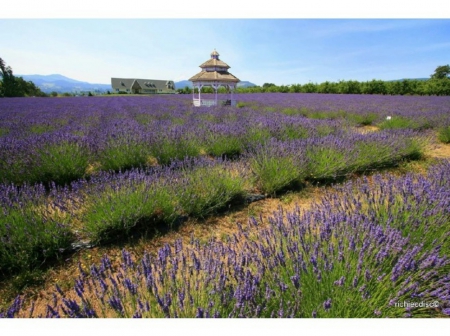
(212, 102)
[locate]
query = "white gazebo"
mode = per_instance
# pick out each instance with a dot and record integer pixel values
(215, 74)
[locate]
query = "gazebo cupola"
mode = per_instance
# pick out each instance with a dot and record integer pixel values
(215, 74)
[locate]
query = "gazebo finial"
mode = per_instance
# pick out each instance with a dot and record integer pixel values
(215, 54)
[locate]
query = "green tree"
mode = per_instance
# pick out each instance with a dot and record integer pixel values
(309, 88)
(441, 72)
(12, 86)
(267, 85)
(27, 88)
(327, 87)
(295, 88)
(374, 87)
(8, 82)
(349, 87)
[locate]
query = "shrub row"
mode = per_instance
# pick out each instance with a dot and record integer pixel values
(351, 255)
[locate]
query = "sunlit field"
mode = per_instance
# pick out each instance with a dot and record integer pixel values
(85, 173)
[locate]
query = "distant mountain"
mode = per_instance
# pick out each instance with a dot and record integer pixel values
(61, 84)
(182, 84)
(399, 80)
(245, 84)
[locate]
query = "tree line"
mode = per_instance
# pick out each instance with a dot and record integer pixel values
(12, 86)
(438, 84)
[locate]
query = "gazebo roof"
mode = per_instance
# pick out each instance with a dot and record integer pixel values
(214, 62)
(219, 74)
(211, 76)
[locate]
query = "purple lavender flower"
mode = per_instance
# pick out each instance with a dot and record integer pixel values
(296, 281)
(340, 282)
(199, 313)
(116, 304)
(327, 304)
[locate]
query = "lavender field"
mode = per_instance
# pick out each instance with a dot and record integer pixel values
(91, 171)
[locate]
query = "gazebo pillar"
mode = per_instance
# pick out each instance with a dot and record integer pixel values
(215, 87)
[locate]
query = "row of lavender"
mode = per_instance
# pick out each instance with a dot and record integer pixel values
(374, 248)
(68, 143)
(62, 140)
(39, 222)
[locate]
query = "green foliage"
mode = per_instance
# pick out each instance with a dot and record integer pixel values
(324, 130)
(120, 154)
(257, 135)
(326, 163)
(439, 84)
(185, 90)
(208, 189)
(3, 131)
(35, 233)
(168, 150)
(397, 122)
(441, 72)
(362, 119)
(11, 86)
(349, 87)
(328, 87)
(291, 132)
(41, 128)
(444, 134)
(61, 163)
(274, 173)
(110, 216)
(291, 111)
(223, 145)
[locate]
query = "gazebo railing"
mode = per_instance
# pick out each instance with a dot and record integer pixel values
(213, 102)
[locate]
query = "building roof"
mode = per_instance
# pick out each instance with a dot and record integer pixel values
(209, 76)
(127, 83)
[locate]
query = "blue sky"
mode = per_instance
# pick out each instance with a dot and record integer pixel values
(281, 51)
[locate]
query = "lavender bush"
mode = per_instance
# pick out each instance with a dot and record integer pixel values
(349, 256)
(277, 164)
(63, 140)
(32, 229)
(444, 134)
(113, 204)
(120, 158)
